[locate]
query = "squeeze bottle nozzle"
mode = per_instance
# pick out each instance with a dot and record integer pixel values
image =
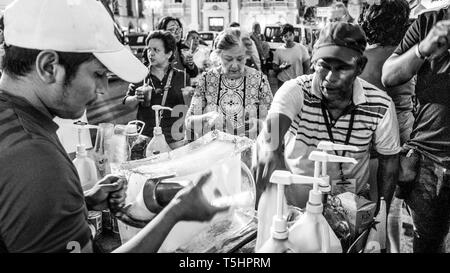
(157, 109)
(325, 157)
(330, 146)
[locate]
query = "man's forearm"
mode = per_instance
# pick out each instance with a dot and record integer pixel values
(151, 237)
(399, 69)
(388, 167)
(274, 131)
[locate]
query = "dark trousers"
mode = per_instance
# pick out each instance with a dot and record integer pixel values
(429, 201)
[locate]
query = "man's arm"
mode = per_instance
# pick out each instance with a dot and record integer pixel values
(399, 69)
(269, 150)
(306, 65)
(188, 205)
(387, 175)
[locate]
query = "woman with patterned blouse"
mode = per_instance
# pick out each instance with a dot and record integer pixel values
(232, 97)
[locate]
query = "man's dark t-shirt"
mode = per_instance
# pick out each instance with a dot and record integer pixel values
(431, 132)
(42, 207)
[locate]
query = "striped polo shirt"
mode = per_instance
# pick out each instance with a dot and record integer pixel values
(375, 124)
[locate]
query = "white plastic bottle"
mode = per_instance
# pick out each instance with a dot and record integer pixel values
(158, 143)
(312, 233)
(278, 240)
(86, 168)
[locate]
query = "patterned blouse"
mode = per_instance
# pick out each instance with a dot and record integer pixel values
(236, 99)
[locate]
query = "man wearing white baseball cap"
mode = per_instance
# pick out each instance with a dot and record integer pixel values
(57, 54)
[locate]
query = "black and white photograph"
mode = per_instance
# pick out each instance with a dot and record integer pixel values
(237, 127)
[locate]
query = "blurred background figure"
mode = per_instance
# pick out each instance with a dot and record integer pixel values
(183, 59)
(199, 52)
(291, 59)
(231, 97)
(310, 14)
(384, 25)
(2, 44)
(339, 13)
(258, 39)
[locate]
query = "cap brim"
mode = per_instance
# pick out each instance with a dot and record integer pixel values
(342, 53)
(124, 64)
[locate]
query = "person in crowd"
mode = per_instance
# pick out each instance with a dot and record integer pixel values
(424, 179)
(165, 83)
(200, 53)
(253, 60)
(258, 39)
(183, 59)
(59, 73)
(384, 25)
(231, 97)
(234, 24)
(332, 104)
(292, 59)
(2, 44)
(310, 14)
(339, 13)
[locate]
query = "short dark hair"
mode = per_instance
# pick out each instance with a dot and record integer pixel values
(166, 37)
(234, 24)
(192, 32)
(19, 61)
(385, 23)
(287, 28)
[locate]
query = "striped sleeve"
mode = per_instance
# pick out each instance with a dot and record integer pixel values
(387, 136)
(288, 100)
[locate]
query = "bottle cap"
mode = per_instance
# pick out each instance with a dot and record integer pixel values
(81, 150)
(157, 131)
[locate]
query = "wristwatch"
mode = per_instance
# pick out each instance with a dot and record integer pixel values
(418, 54)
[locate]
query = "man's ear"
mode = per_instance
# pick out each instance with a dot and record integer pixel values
(48, 67)
(362, 65)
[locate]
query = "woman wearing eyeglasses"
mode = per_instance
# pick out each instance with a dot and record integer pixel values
(231, 97)
(183, 58)
(162, 86)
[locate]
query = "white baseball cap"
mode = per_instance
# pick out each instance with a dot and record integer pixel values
(82, 26)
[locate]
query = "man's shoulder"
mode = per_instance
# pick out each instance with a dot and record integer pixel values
(377, 101)
(436, 13)
(12, 130)
(302, 84)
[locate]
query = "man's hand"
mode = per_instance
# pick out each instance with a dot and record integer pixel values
(267, 161)
(437, 41)
(108, 193)
(191, 205)
(188, 58)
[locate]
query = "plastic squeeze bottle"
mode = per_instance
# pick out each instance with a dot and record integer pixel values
(158, 143)
(325, 146)
(278, 241)
(311, 233)
(85, 166)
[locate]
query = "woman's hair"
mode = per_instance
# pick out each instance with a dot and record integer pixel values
(230, 38)
(167, 39)
(386, 23)
(163, 22)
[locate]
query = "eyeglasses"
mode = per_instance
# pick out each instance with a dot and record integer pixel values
(174, 30)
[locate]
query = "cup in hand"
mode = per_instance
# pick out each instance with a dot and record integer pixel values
(187, 56)
(144, 95)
